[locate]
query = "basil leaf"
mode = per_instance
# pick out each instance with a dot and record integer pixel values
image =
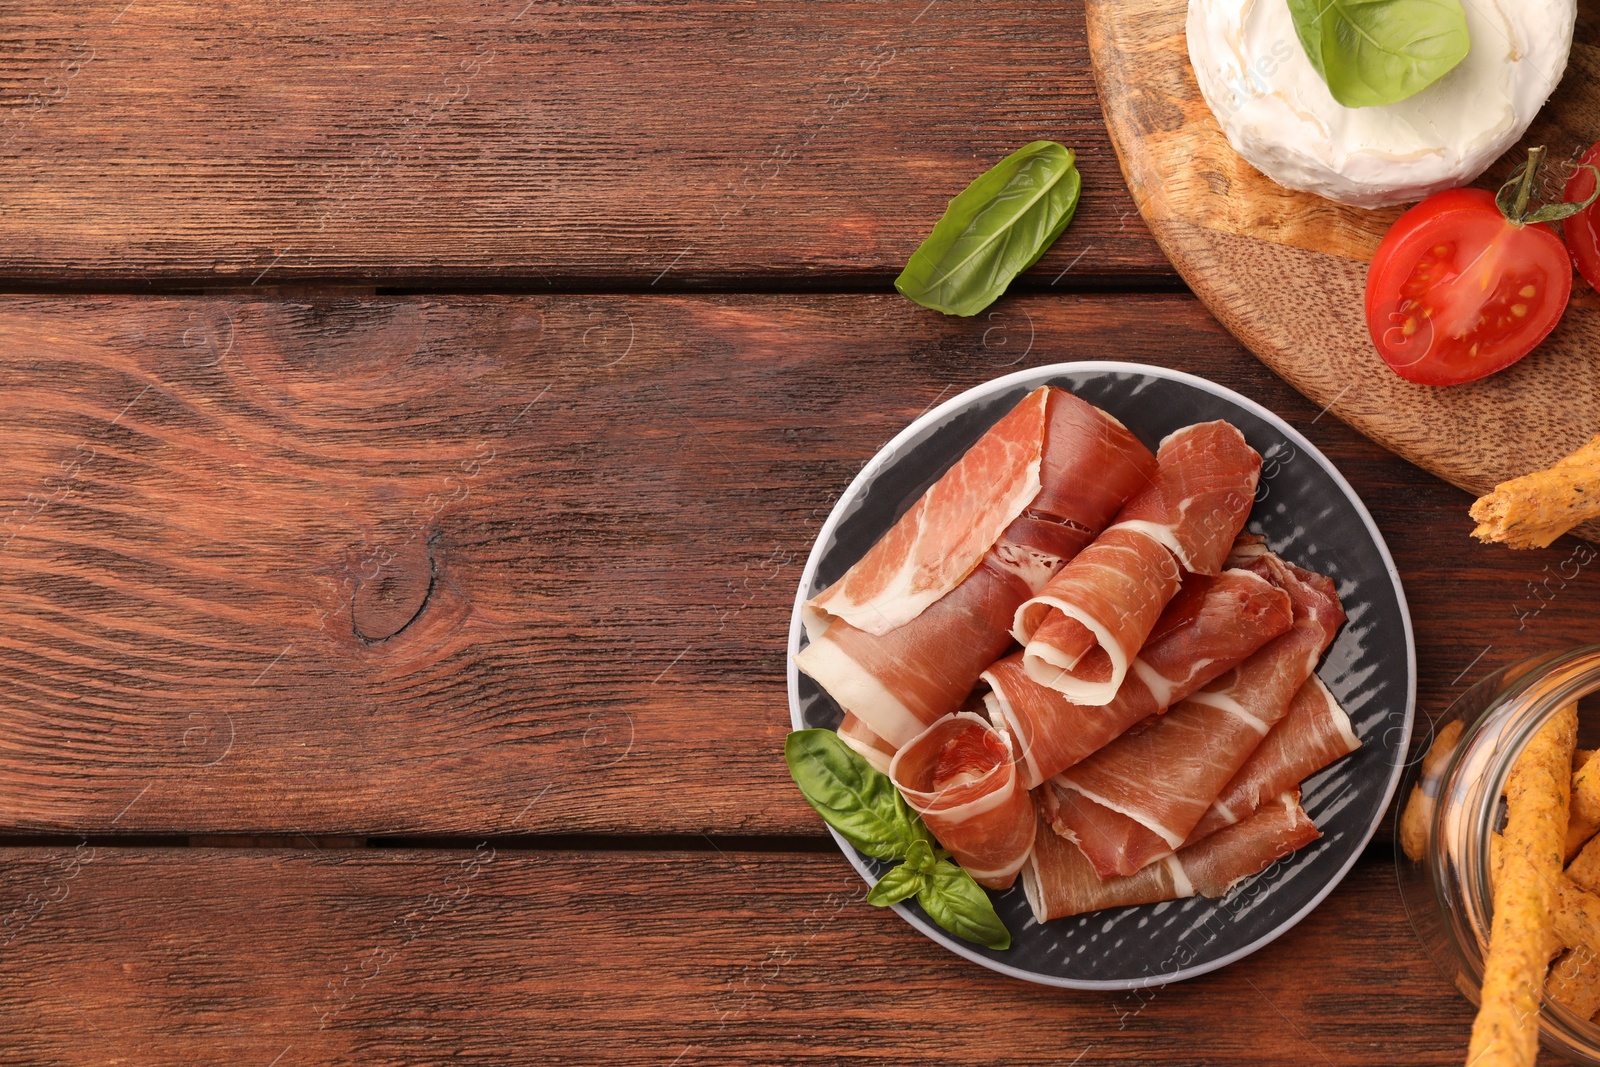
(957, 903)
(1375, 52)
(853, 798)
(921, 858)
(898, 884)
(994, 230)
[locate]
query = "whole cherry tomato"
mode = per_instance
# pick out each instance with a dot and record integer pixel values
(1583, 229)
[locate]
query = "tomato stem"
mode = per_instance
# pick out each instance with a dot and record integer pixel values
(1520, 186)
(1516, 195)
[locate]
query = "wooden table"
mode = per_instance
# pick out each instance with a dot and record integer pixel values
(414, 424)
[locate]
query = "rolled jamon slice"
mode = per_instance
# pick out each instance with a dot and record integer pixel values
(1314, 734)
(961, 777)
(1209, 627)
(872, 748)
(1199, 514)
(1084, 628)
(1141, 796)
(1059, 881)
(899, 682)
(900, 638)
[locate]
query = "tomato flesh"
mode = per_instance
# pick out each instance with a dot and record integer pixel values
(1456, 292)
(1583, 229)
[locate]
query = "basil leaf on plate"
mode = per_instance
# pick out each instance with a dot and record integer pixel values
(994, 230)
(898, 884)
(1375, 52)
(869, 812)
(922, 858)
(960, 905)
(853, 798)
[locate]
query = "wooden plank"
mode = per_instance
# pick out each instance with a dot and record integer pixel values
(1287, 271)
(406, 566)
(495, 142)
(635, 958)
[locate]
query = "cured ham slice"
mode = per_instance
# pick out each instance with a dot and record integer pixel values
(1314, 734)
(1209, 627)
(960, 775)
(1084, 628)
(1101, 608)
(952, 526)
(872, 748)
(1142, 795)
(899, 683)
(937, 543)
(1059, 881)
(900, 639)
(1198, 513)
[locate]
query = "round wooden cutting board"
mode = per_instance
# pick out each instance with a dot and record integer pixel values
(1286, 271)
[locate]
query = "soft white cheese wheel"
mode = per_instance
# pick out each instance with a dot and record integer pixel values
(1279, 115)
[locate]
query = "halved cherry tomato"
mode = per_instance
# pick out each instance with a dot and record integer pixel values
(1457, 291)
(1583, 229)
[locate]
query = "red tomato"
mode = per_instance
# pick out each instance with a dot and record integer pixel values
(1457, 292)
(1583, 229)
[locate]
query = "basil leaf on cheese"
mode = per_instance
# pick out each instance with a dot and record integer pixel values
(994, 230)
(1376, 52)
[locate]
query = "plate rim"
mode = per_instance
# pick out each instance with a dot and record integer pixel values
(1037, 376)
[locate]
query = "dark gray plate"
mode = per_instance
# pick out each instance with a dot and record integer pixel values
(1309, 515)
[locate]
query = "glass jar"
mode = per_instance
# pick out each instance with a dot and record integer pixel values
(1443, 854)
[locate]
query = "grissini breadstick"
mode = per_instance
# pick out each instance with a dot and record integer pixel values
(1506, 1030)
(1535, 509)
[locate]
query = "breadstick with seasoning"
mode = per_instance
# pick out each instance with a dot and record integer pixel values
(1506, 1030)
(1584, 816)
(1574, 982)
(1535, 509)
(1585, 869)
(1576, 917)
(1575, 925)
(1553, 945)
(1419, 805)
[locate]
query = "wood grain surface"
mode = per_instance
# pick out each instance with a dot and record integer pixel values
(501, 566)
(286, 562)
(496, 956)
(1286, 271)
(530, 143)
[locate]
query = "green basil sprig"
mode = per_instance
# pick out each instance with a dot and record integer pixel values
(869, 812)
(994, 230)
(1375, 52)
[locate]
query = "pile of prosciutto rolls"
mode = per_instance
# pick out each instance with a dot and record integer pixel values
(1079, 670)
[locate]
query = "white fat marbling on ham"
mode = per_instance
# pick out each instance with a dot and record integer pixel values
(872, 748)
(947, 532)
(1314, 734)
(1208, 628)
(960, 775)
(1059, 881)
(1084, 629)
(900, 639)
(1162, 780)
(1230, 704)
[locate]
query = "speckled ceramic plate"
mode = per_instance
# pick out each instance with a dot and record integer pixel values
(1309, 515)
